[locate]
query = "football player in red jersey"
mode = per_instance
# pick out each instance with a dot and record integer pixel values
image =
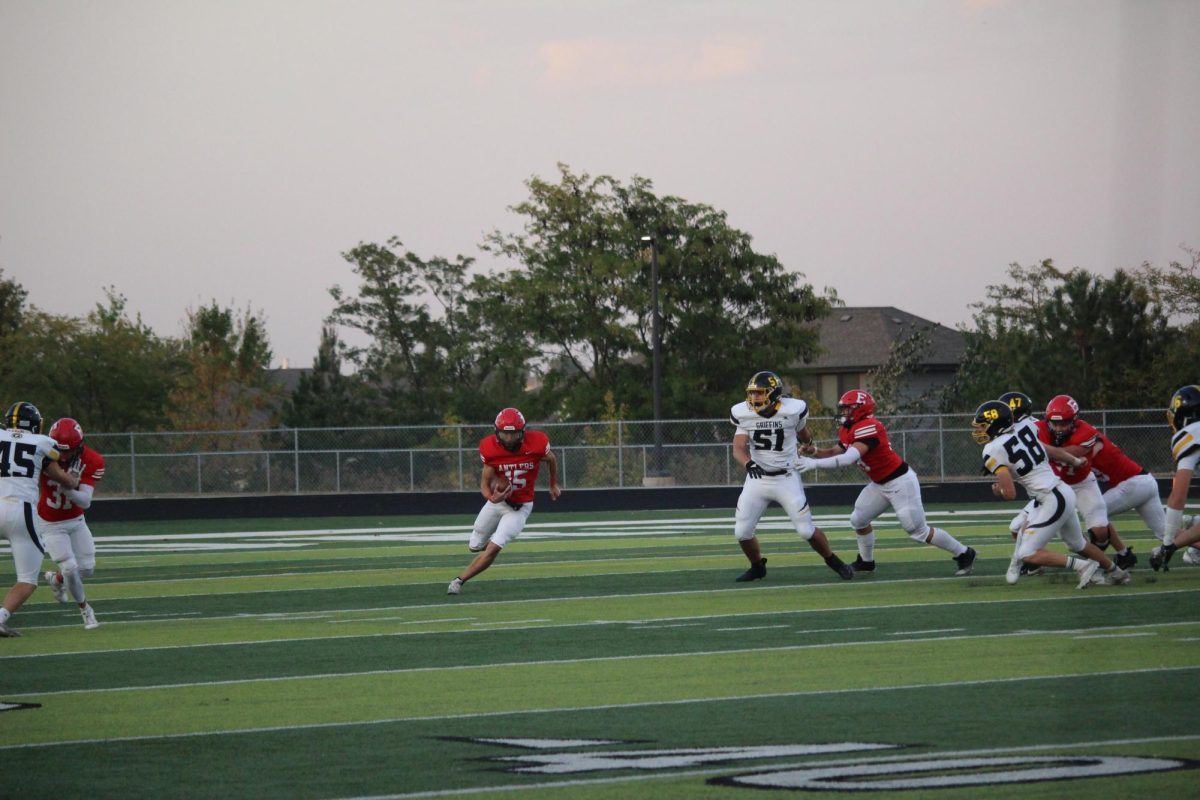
(1127, 485)
(1062, 427)
(863, 440)
(61, 523)
(516, 455)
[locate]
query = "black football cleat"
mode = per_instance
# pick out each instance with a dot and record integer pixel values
(840, 567)
(1126, 560)
(862, 566)
(756, 572)
(1161, 557)
(965, 561)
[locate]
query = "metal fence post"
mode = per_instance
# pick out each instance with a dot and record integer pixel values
(296, 456)
(132, 467)
(461, 478)
(941, 447)
(620, 454)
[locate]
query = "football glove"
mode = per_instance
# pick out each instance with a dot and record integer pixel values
(753, 470)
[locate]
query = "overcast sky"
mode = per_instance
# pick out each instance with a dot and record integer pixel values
(903, 153)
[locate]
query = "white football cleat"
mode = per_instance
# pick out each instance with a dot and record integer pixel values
(1192, 556)
(1014, 571)
(455, 586)
(1090, 574)
(59, 588)
(89, 618)
(1118, 576)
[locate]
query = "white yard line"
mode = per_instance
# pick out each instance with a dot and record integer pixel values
(312, 614)
(612, 706)
(546, 662)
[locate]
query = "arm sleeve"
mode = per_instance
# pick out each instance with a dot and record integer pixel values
(82, 496)
(844, 460)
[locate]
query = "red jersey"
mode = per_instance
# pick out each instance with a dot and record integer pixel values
(1085, 436)
(519, 466)
(880, 462)
(1112, 465)
(53, 503)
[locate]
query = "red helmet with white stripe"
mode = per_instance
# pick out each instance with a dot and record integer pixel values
(853, 406)
(68, 436)
(1060, 417)
(510, 428)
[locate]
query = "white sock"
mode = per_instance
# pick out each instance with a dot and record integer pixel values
(947, 542)
(4, 615)
(866, 546)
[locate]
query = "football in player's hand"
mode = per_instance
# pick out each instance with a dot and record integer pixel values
(499, 486)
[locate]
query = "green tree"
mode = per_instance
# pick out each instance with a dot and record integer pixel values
(224, 385)
(890, 380)
(12, 304)
(1046, 332)
(583, 294)
(109, 371)
(433, 350)
(325, 397)
(1176, 288)
(122, 372)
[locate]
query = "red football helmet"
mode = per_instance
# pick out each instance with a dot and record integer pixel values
(510, 428)
(853, 406)
(1060, 417)
(68, 436)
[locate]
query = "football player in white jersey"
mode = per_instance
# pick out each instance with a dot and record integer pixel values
(24, 452)
(1183, 415)
(1022, 410)
(1014, 454)
(769, 429)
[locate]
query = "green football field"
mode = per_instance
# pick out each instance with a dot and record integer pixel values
(604, 656)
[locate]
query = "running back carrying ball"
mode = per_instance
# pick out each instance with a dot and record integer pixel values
(499, 487)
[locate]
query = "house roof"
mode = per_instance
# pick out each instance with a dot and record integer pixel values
(860, 338)
(287, 378)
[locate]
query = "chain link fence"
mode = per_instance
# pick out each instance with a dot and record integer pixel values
(592, 455)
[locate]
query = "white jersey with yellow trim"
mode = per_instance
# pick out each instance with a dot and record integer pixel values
(1020, 451)
(1185, 446)
(772, 438)
(21, 457)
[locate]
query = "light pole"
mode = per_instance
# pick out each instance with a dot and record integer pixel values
(656, 357)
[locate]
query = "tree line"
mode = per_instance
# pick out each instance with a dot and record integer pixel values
(563, 328)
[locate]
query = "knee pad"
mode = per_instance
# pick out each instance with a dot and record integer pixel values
(858, 521)
(743, 534)
(68, 566)
(1103, 545)
(920, 536)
